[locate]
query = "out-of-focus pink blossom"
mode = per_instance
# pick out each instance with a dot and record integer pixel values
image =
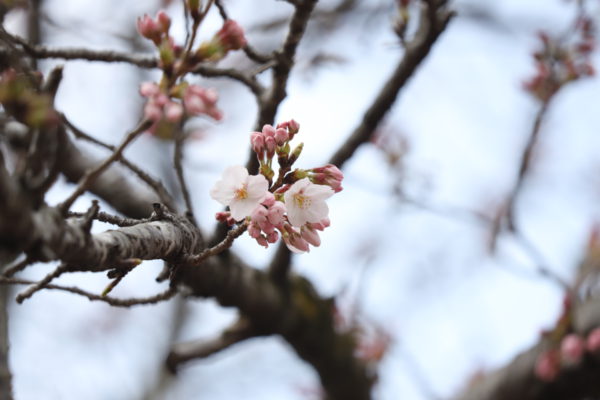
(149, 89)
(547, 366)
(231, 36)
(154, 29)
(593, 341)
(173, 111)
(572, 348)
(198, 100)
(164, 21)
(153, 111)
(273, 237)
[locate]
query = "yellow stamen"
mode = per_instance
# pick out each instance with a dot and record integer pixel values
(301, 201)
(241, 193)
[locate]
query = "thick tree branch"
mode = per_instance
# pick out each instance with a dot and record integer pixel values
(5, 374)
(297, 313)
(517, 381)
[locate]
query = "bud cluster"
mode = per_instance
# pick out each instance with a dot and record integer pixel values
(570, 353)
(162, 109)
(170, 100)
(561, 61)
(293, 207)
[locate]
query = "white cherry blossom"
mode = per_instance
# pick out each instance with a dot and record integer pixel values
(240, 191)
(305, 202)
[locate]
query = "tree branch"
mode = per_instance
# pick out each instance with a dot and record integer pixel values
(91, 175)
(163, 296)
(187, 351)
(517, 381)
(432, 23)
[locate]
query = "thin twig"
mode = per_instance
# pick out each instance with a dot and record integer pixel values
(166, 295)
(155, 184)
(247, 80)
(525, 164)
(18, 267)
(177, 162)
(187, 351)
(41, 284)
(218, 248)
(432, 24)
(90, 176)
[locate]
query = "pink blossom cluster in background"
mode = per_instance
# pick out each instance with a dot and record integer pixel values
(562, 60)
(571, 352)
(293, 206)
(172, 99)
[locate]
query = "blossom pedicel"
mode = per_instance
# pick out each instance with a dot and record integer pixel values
(292, 206)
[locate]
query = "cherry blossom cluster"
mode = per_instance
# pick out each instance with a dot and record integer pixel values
(292, 206)
(172, 99)
(562, 60)
(571, 352)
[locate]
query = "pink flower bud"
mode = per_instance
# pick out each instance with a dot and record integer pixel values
(593, 341)
(222, 216)
(272, 237)
(254, 230)
(173, 111)
(149, 89)
(281, 136)
(152, 111)
(310, 235)
(572, 348)
(292, 127)
(547, 366)
(269, 200)
(270, 145)
(164, 21)
(257, 140)
(329, 175)
(321, 225)
(259, 215)
(148, 28)
(268, 131)
(231, 36)
(277, 213)
(262, 241)
(161, 99)
(198, 100)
